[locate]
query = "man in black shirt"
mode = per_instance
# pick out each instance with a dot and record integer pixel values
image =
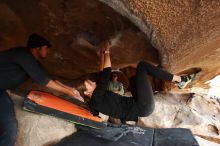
(16, 66)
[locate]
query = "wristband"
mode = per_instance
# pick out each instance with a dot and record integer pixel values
(106, 52)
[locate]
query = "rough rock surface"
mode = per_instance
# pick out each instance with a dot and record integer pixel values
(186, 32)
(196, 112)
(69, 25)
(203, 142)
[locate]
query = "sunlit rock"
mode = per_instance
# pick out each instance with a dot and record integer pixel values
(196, 112)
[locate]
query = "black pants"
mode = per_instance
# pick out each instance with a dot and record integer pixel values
(141, 88)
(8, 123)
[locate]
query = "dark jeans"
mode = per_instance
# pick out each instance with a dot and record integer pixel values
(8, 123)
(142, 90)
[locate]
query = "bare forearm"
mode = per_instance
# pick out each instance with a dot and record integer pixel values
(107, 61)
(61, 84)
(101, 59)
(56, 86)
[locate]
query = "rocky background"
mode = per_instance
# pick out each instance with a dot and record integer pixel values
(67, 24)
(182, 36)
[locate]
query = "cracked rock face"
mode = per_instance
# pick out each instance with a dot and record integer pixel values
(196, 112)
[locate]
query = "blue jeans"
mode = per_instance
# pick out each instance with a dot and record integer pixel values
(8, 122)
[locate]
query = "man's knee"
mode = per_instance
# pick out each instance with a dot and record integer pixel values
(13, 129)
(9, 131)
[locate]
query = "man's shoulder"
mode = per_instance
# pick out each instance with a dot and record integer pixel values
(15, 52)
(20, 51)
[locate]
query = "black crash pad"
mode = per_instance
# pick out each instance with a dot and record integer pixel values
(124, 135)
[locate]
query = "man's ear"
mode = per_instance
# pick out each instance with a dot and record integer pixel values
(35, 52)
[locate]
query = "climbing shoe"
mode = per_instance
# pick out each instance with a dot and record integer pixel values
(185, 80)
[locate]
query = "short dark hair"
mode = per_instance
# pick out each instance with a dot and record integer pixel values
(35, 41)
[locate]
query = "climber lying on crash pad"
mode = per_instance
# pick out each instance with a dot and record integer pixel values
(127, 109)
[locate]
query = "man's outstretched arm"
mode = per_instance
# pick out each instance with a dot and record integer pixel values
(58, 86)
(30, 65)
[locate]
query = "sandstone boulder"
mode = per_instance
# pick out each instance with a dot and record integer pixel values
(193, 111)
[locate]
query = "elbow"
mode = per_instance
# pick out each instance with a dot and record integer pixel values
(49, 83)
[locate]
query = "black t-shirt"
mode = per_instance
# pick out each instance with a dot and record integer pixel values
(17, 65)
(110, 103)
